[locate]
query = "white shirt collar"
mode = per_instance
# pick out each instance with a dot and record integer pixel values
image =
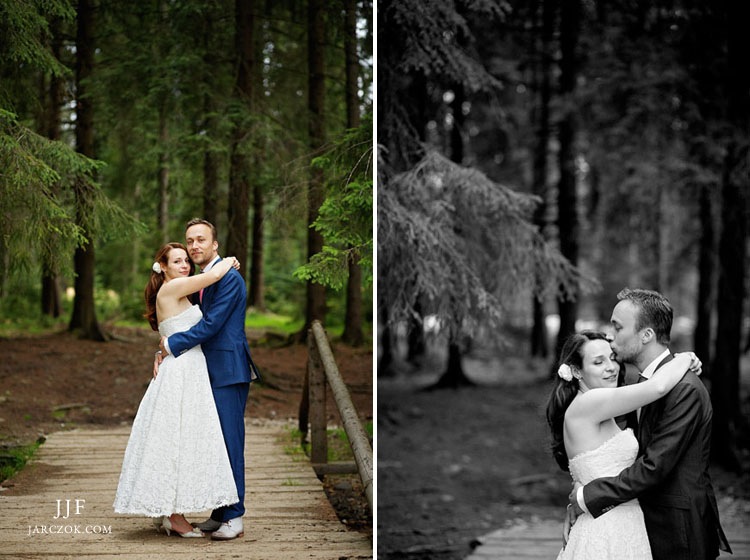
(651, 368)
(210, 265)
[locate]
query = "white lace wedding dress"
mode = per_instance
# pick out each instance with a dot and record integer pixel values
(621, 532)
(176, 460)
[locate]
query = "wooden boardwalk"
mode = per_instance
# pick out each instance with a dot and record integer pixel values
(542, 541)
(288, 515)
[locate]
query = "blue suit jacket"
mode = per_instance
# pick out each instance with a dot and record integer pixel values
(221, 333)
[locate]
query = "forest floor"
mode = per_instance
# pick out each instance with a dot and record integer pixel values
(457, 464)
(57, 382)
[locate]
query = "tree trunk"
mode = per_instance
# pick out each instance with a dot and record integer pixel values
(239, 166)
(725, 372)
(50, 127)
(256, 266)
(539, 345)
(732, 244)
(415, 340)
(162, 164)
(163, 173)
(353, 318)
(567, 204)
(210, 160)
(210, 185)
(257, 269)
(353, 334)
(385, 355)
(316, 295)
(83, 318)
(706, 281)
(454, 375)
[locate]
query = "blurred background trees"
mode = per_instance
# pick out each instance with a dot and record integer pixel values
(120, 121)
(627, 123)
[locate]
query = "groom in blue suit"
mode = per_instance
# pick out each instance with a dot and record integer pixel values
(221, 334)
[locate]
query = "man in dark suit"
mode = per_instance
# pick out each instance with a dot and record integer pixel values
(221, 334)
(670, 476)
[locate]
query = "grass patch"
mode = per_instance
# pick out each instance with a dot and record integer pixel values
(292, 445)
(339, 448)
(281, 324)
(338, 443)
(13, 459)
(18, 327)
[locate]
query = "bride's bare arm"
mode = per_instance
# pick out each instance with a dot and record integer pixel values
(604, 403)
(181, 287)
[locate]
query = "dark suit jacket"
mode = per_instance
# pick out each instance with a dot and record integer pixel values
(221, 333)
(670, 476)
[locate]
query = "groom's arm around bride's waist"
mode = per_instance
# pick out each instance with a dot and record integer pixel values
(672, 435)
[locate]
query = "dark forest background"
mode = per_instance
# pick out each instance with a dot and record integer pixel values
(121, 120)
(536, 157)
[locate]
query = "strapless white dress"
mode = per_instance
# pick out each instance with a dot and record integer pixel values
(619, 534)
(176, 460)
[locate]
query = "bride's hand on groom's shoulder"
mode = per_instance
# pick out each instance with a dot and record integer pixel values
(696, 366)
(235, 262)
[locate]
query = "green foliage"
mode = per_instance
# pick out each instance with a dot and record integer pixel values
(162, 95)
(13, 459)
(345, 217)
(463, 246)
(273, 322)
(24, 29)
(35, 217)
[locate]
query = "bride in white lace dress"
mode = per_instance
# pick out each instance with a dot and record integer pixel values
(176, 460)
(588, 442)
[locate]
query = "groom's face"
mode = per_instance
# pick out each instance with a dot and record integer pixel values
(626, 342)
(201, 244)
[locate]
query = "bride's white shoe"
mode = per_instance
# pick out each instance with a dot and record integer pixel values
(167, 526)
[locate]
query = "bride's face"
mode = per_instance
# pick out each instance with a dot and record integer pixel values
(177, 264)
(599, 366)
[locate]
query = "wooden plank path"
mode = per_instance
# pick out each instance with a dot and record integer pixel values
(288, 515)
(543, 540)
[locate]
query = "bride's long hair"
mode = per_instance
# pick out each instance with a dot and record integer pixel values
(156, 280)
(563, 392)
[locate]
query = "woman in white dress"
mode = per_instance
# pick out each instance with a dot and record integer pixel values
(176, 461)
(587, 441)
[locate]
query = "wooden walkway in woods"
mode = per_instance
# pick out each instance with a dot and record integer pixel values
(288, 515)
(542, 541)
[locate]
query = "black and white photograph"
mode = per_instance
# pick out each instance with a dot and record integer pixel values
(562, 199)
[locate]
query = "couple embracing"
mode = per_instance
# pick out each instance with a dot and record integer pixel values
(186, 448)
(643, 492)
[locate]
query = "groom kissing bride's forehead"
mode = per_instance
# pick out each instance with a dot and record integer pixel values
(651, 478)
(641, 323)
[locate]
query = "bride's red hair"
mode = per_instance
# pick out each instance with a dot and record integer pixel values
(157, 279)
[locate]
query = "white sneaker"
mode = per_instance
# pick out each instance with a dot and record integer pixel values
(229, 530)
(208, 525)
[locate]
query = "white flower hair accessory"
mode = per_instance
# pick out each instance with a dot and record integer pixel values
(565, 372)
(156, 267)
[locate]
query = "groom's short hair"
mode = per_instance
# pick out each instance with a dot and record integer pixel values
(654, 310)
(201, 221)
